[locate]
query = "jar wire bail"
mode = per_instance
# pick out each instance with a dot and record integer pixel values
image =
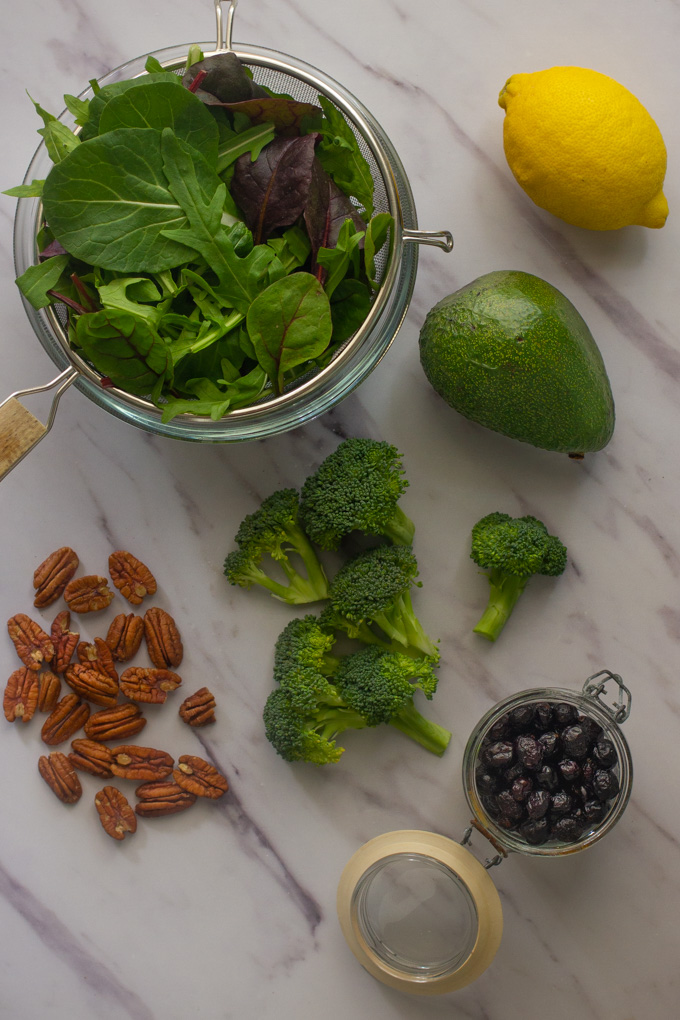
(501, 853)
(595, 686)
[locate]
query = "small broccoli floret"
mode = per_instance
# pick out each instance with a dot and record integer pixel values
(303, 643)
(356, 488)
(374, 590)
(380, 686)
(268, 536)
(512, 549)
(306, 735)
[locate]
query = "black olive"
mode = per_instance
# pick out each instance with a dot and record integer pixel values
(588, 770)
(522, 718)
(515, 771)
(500, 728)
(486, 783)
(544, 715)
(575, 741)
(605, 784)
(593, 811)
(547, 778)
(529, 751)
(567, 829)
(535, 831)
(550, 742)
(604, 753)
(569, 769)
(592, 729)
(521, 788)
(560, 803)
(564, 714)
(538, 803)
(500, 754)
(508, 807)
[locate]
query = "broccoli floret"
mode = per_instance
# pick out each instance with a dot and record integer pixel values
(356, 488)
(268, 536)
(306, 713)
(374, 590)
(303, 643)
(512, 549)
(306, 736)
(380, 686)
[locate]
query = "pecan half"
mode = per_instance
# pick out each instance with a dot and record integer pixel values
(131, 577)
(162, 638)
(49, 690)
(200, 777)
(92, 685)
(158, 799)
(21, 695)
(91, 756)
(88, 594)
(199, 708)
(140, 683)
(125, 636)
(133, 762)
(97, 654)
(33, 645)
(66, 719)
(115, 723)
(115, 814)
(60, 776)
(64, 640)
(52, 576)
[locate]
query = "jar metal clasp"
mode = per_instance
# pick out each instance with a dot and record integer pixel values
(595, 686)
(501, 853)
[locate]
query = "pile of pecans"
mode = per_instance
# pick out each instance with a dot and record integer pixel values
(94, 702)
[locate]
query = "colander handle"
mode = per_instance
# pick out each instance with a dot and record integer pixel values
(20, 430)
(439, 238)
(224, 25)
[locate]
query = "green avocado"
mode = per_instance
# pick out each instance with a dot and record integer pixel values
(511, 352)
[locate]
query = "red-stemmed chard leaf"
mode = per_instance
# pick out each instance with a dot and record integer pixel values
(272, 191)
(327, 209)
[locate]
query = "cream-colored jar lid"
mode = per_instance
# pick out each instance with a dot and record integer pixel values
(419, 912)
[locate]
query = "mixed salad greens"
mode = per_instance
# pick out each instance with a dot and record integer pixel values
(212, 240)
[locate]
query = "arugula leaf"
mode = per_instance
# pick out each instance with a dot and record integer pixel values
(78, 108)
(252, 140)
(153, 66)
(272, 191)
(59, 139)
(109, 204)
(341, 157)
(32, 190)
(132, 294)
(289, 323)
(376, 235)
(126, 349)
(344, 256)
(239, 278)
(37, 280)
(161, 105)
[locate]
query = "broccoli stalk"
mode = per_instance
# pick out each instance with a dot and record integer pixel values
(356, 488)
(512, 550)
(308, 711)
(373, 590)
(269, 536)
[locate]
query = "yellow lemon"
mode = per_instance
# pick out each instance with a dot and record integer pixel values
(584, 148)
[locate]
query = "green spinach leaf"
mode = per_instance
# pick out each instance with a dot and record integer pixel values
(289, 323)
(37, 280)
(59, 139)
(126, 349)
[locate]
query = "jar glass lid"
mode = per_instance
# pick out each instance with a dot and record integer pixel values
(419, 912)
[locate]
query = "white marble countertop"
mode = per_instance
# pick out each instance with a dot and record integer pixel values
(228, 911)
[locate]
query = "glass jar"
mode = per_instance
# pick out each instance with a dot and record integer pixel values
(419, 910)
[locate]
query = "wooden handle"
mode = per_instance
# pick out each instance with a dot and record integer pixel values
(19, 432)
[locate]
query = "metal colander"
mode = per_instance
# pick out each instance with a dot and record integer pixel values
(311, 395)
